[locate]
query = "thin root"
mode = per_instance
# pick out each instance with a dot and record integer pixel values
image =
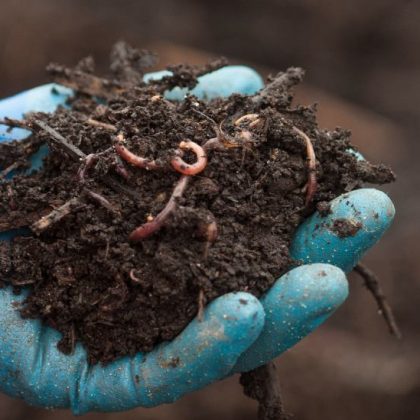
(12, 123)
(372, 284)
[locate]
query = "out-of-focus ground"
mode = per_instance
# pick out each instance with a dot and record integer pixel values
(363, 67)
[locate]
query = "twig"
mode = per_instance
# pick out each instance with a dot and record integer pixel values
(60, 141)
(11, 221)
(10, 122)
(312, 184)
(372, 284)
(262, 384)
(56, 215)
(75, 153)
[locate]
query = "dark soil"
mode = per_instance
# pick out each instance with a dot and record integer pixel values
(230, 229)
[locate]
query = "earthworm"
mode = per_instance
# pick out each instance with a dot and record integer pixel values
(147, 229)
(132, 158)
(185, 168)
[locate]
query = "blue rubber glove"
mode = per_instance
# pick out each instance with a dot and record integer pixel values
(237, 333)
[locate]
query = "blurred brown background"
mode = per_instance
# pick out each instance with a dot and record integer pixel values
(363, 66)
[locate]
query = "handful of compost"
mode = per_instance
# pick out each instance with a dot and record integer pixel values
(147, 208)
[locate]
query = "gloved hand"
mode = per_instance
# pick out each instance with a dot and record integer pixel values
(238, 332)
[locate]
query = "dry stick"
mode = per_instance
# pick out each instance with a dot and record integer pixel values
(312, 184)
(56, 215)
(372, 284)
(147, 229)
(10, 222)
(60, 141)
(74, 152)
(262, 384)
(10, 122)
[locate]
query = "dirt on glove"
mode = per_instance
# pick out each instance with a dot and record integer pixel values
(130, 229)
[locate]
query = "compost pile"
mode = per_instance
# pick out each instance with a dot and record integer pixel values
(146, 209)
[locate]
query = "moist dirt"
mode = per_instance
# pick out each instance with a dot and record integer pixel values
(228, 228)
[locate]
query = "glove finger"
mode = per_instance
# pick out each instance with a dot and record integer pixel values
(203, 353)
(356, 222)
(32, 368)
(219, 83)
(298, 303)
